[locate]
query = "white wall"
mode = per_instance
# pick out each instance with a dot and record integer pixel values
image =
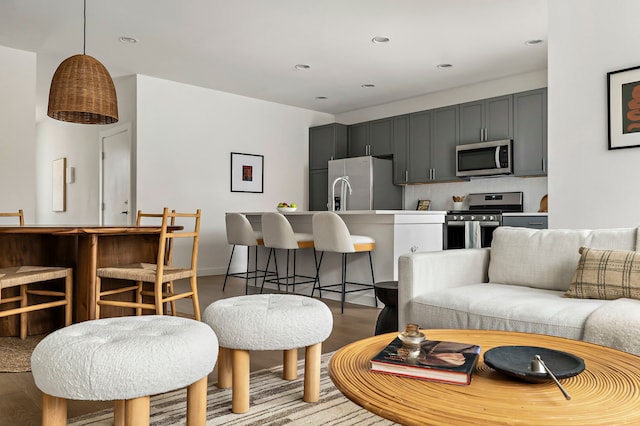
(589, 186)
(17, 131)
(80, 144)
(185, 137)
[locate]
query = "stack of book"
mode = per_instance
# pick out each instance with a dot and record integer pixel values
(440, 361)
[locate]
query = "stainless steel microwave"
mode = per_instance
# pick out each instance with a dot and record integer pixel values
(484, 158)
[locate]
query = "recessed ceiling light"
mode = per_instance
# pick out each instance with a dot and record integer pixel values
(321, 98)
(533, 42)
(368, 86)
(380, 39)
(302, 66)
(444, 65)
(129, 40)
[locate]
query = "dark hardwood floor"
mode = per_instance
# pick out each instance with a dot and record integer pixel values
(20, 400)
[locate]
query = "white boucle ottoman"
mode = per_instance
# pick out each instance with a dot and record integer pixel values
(125, 360)
(268, 322)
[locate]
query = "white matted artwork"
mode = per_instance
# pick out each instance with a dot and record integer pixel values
(59, 186)
(247, 172)
(623, 88)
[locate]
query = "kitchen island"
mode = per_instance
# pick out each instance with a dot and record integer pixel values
(396, 232)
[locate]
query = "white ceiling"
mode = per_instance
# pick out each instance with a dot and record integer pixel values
(250, 47)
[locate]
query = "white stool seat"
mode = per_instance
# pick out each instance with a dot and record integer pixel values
(124, 358)
(268, 322)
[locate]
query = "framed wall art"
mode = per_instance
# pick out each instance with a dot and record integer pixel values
(59, 185)
(247, 172)
(623, 89)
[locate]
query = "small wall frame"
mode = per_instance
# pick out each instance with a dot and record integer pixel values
(247, 172)
(59, 185)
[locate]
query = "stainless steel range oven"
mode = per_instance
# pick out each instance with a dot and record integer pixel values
(474, 227)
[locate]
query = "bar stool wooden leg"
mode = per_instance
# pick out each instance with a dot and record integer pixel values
(197, 403)
(137, 411)
(240, 390)
(225, 369)
(54, 411)
(290, 364)
(312, 373)
(119, 412)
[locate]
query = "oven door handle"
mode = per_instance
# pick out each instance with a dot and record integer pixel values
(483, 224)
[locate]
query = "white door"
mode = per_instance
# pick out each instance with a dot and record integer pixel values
(115, 175)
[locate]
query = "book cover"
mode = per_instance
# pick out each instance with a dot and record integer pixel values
(440, 361)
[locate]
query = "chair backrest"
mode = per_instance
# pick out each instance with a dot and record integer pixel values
(168, 235)
(239, 230)
(330, 233)
(277, 232)
(142, 217)
(19, 214)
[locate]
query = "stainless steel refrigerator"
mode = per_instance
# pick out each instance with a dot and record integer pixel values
(371, 181)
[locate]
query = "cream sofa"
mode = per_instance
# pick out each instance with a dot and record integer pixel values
(519, 285)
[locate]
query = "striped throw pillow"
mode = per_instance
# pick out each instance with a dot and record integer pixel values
(606, 274)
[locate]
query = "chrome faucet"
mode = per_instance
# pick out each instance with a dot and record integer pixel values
(343, 192)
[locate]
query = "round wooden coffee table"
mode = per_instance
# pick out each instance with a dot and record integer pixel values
(606, 392)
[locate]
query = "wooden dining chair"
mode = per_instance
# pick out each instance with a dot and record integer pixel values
(25, 278)
(159, 274)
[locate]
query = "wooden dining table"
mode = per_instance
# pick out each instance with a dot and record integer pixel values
(85, 249)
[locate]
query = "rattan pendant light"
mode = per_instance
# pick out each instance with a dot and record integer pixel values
(82, 90)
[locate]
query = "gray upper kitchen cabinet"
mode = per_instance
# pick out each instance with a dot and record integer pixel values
(328, 142)
(418, 158)
(400, 149)
(486, 120)
(444, 138)
(530, 133)
(371, 138)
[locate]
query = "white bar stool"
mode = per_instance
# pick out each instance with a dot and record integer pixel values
(278, 234)
(330, 234)
(241, 233)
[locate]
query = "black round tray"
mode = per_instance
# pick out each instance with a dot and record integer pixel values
(515, 361)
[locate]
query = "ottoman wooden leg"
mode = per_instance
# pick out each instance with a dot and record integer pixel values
(197, 403)
(224, 368)
(290, 364)
(240, 391)
(312, 373)
(119, 412)
(137, 411)
(54, 411)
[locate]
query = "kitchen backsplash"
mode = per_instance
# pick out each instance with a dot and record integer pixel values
(440, 194)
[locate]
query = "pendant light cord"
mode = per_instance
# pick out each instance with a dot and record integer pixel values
(84, 30)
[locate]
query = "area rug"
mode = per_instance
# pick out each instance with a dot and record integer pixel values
(15, 354)
(273, 402)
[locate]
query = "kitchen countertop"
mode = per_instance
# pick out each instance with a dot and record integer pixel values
(525, 214)
(364, 212)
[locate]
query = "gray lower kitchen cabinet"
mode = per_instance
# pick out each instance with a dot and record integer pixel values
(536, 222)
(530, 133)
(486, 120)
(371, 138)
(400, 149)
(318, 189)
(327, 142)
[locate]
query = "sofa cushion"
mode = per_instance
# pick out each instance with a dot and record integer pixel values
(503, 307)
(606, 274)
(547, 258)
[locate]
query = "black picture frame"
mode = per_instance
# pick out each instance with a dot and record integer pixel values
(423, 205)
(247, 172)
(623, 107)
